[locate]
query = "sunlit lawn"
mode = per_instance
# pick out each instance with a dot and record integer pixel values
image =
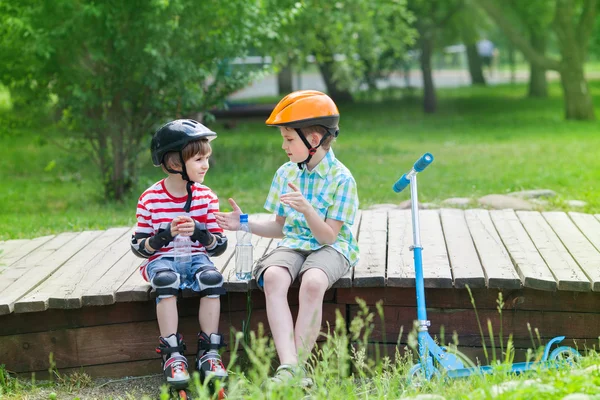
(484, 140)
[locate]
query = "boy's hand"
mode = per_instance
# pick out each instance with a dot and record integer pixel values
(230, 220)
(182, 225)
(296, 200)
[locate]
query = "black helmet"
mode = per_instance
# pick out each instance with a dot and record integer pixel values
(175, 135)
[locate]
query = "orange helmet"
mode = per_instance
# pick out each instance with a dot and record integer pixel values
(304, 108)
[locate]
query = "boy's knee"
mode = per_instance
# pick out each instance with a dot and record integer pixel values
(314, 282)
(276, 280)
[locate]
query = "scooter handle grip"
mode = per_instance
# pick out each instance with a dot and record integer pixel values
(401, 184)
(423, 162)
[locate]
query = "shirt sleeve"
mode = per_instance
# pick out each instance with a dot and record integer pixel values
(345, 202)
(144, 219)
(272, 204)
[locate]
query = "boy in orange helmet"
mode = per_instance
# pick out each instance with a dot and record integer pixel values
(315, 201)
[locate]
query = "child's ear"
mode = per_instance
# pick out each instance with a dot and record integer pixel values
(173, 165)
(315, 138)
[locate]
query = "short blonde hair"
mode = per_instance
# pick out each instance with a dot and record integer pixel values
(321, 131)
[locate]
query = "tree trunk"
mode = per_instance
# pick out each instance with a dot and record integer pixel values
(538, 85)
(284, 81)
(578, 102)
(429, 99)
(474, 62)
(336, 93)
(511, 63)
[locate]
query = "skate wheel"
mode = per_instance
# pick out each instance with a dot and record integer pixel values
(182, 394)
(221, 394)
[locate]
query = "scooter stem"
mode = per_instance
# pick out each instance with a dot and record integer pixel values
(417, 254)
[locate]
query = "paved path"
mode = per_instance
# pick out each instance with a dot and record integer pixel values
(442, 78)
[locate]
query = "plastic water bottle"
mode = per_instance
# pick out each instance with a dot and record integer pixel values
(243, 250)
(182, 246)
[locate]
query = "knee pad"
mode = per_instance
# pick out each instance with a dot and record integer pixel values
(210, 281)
(166, 283)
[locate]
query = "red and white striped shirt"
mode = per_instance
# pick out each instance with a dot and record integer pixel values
(157, 206)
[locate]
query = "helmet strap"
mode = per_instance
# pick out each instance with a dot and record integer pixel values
(188, 186)
(311, 150)
(188, 202)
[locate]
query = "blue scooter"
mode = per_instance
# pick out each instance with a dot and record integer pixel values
(435, 360)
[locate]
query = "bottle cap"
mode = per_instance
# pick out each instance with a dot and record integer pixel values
(243, 217)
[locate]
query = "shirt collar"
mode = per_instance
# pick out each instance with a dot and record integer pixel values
(323, 167)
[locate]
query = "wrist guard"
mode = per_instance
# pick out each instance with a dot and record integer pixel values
(139, 248)
(201, 234)
(162, 238)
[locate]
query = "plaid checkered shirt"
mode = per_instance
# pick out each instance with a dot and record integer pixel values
(331, 189)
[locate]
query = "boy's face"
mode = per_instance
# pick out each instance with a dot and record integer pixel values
(197, 167)
(294, 147)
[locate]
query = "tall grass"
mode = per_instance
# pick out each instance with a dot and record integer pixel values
(342, 368)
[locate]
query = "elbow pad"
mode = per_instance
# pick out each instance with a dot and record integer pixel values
(162, 238)
(139, 248)
(219, 247)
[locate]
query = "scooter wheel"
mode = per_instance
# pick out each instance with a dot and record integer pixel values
(565, 355)
(417, 376)
(221, 395)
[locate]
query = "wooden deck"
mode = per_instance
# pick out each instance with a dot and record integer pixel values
(542, 261)
(494, 249)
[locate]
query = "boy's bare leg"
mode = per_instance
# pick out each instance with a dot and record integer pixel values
(277, 281)
(310, 312)
(167, 316)
(208, 314)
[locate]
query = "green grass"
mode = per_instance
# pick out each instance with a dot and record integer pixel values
(484, 140)
(339, 371)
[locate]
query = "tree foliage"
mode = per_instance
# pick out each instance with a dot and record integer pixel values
(351, 40)
(119, 69)
(572, 21)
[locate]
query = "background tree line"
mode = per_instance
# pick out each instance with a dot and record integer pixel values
(113, 71)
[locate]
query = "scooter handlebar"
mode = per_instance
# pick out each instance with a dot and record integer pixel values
(419, 166)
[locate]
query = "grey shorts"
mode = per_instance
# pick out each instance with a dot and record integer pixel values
(327, 259)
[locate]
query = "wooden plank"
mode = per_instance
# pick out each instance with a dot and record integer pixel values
(370, 269)
(8, 246)
(519, 299)
(222, 260)
(70, 272)
(260, 244)
(578, 245)
(532, 269)
(346, 280)
(400, 264)
(69, 291)
(18, 252)
(104, 292)
(464, 261)
(31, 271)
(436, 264)
(497, 266)
(589, 226)
(567, 273)
(135, 287)
(464, 321)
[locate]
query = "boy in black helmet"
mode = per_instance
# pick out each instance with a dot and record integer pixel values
(181, 205)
